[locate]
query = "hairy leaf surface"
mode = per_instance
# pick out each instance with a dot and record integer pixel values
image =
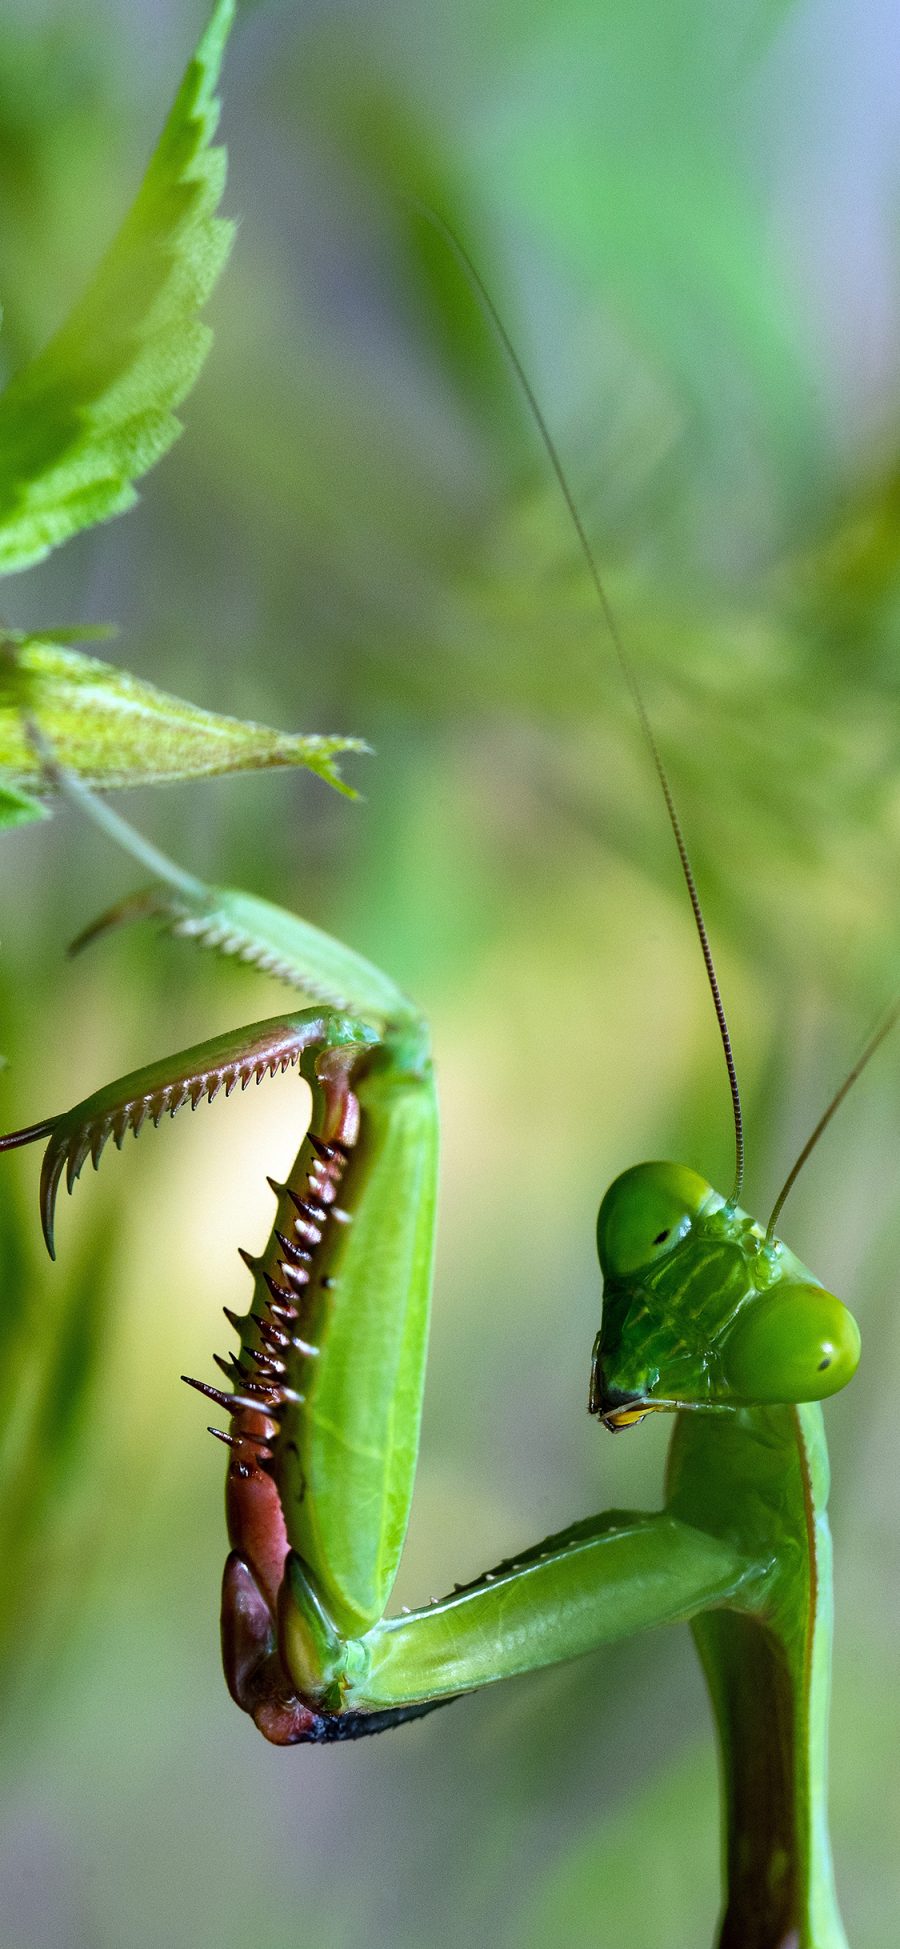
(113, 729)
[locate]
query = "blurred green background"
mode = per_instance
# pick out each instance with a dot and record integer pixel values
(688, 216)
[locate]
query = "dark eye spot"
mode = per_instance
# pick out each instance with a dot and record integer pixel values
(824, 1363)
(661, 1237)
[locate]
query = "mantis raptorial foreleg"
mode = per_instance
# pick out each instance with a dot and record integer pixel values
(329, 1374)
(328, 1377)
(705, 1315)
(326, 1397)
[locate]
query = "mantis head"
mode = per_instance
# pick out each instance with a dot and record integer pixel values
(700, 1309)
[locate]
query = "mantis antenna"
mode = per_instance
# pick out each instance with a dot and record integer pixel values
(444, 229)
(875, 1040)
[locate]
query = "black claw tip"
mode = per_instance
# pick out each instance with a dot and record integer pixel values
(220, 1435)
(212, 1393)
(277, 1292)
(308, 1208)
(293, 1252)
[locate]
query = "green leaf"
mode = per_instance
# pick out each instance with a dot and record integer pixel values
(112, 729)
(95, 409)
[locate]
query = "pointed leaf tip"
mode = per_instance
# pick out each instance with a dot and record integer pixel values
(88, 415)
(112, 729)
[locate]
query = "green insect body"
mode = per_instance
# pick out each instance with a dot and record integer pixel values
(700, 1309)
(703, 1316)
(706, 1316)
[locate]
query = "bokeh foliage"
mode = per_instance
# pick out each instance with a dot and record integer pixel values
(359, 532)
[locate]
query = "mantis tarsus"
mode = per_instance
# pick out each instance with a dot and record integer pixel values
(706, 1314)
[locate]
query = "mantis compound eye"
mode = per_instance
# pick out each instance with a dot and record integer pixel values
(644, 1214)
(795, 1343)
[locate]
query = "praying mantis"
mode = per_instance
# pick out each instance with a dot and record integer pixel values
(707, 1316)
